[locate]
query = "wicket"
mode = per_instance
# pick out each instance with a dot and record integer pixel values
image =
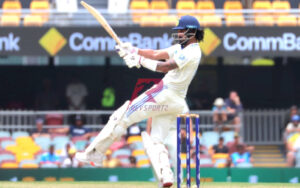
(187, 118)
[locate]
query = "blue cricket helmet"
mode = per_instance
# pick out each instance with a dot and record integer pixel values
(188, 22)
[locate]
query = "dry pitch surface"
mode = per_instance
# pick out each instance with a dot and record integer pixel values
(133, 185)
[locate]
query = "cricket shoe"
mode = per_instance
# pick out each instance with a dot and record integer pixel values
(167, 177)
(94, 158)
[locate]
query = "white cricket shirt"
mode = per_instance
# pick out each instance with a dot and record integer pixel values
(187, 60)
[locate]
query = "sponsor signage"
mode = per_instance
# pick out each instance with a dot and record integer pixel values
(254, 41)
(77, 41)
(222, 41)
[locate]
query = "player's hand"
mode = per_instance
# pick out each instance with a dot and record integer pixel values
(121, 51)
(133, 60)
(128, 47)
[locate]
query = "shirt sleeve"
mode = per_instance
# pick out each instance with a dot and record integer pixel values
(172, 51)
(182, 58)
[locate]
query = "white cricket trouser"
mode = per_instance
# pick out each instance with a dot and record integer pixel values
(163, 105)
(160, 103)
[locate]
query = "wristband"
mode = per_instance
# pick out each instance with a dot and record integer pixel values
(148, 63)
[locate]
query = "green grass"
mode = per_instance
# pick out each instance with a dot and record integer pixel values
(4, 184)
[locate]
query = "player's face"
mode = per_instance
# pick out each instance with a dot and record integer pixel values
(181, 35)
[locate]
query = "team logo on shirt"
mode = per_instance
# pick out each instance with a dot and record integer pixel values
(182, 57)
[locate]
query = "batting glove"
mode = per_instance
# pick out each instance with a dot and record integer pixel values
(125, 49)
(133, 60)
(129, 48)
(122, 52)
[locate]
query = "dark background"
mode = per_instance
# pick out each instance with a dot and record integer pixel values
(259, 87)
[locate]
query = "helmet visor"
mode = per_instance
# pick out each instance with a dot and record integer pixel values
(182, 38)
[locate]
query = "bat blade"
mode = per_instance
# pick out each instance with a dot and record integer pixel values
(102, 21)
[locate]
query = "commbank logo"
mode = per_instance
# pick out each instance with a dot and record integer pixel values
(287, 42)
(53, 41)
(210, 43)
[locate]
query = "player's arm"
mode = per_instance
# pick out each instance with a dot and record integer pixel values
(127, 48)
(166, 66)
(153, 54)
(135, 60)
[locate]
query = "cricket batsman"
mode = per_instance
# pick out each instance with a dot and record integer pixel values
(180, 65)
